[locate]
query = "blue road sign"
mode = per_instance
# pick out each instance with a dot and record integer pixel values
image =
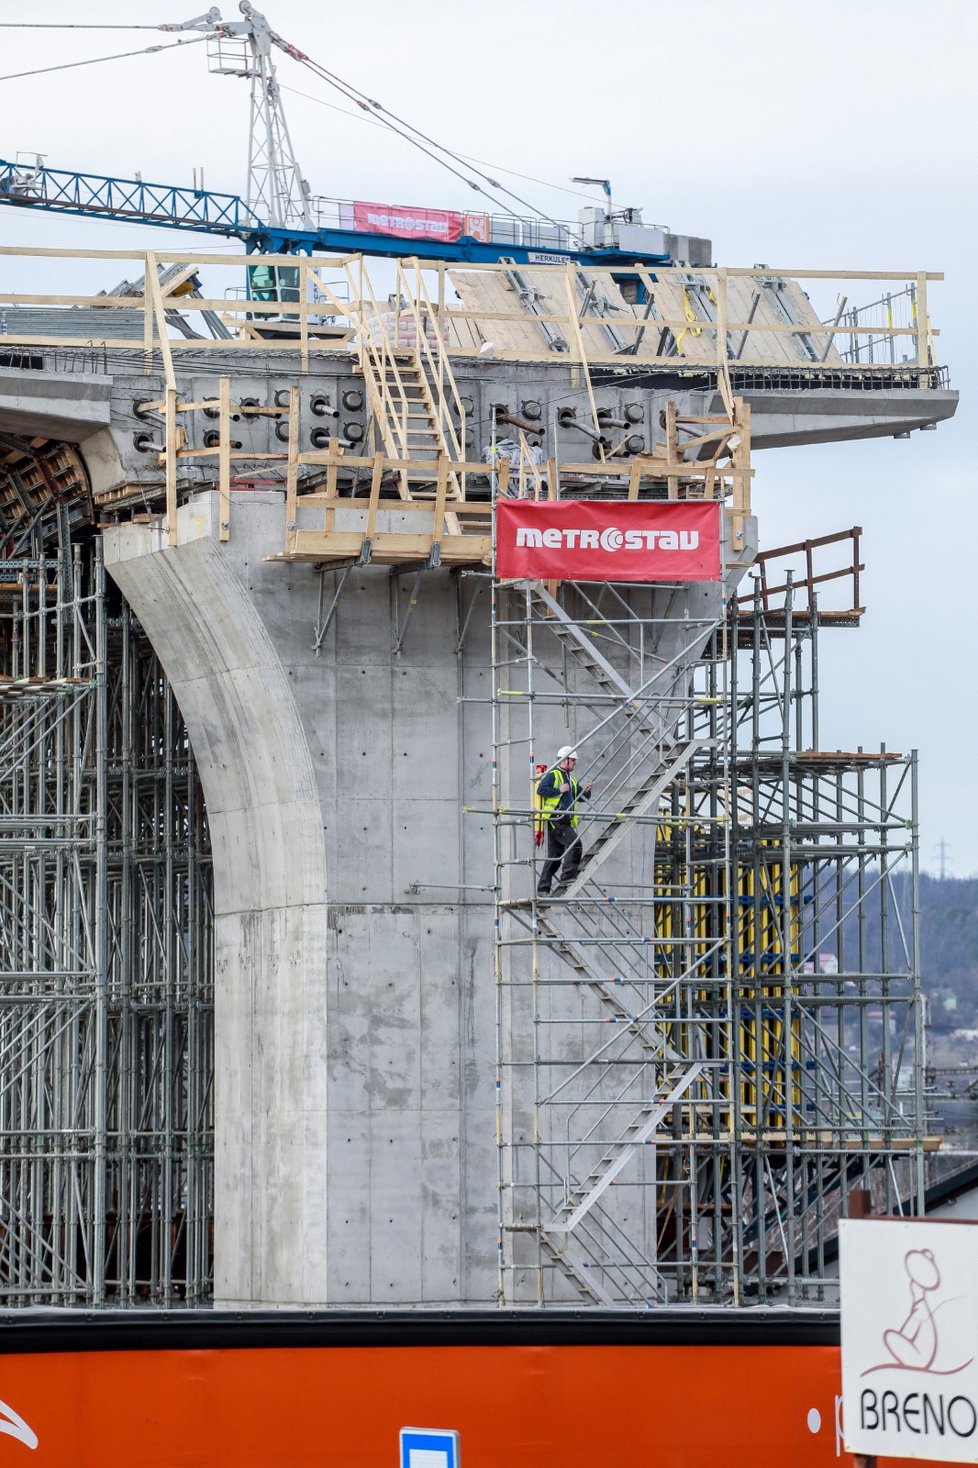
(429, 1447)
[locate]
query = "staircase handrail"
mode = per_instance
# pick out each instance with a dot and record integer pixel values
(420, 305)
(378, 357)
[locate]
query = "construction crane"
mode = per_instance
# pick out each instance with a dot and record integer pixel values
(280, 216)
(372, 229)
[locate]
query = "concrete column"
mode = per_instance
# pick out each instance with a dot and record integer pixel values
(353, 1072)
(271, 911)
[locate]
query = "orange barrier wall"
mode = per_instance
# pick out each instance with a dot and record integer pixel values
(513, 1406)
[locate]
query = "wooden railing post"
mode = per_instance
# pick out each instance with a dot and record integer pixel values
(224, 461)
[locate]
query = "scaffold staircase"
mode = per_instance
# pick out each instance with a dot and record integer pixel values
(643, 800)
(579, 643)
(404, 409)
(639, 1130)
(571, 1236)
(588, 957)
(610, 992)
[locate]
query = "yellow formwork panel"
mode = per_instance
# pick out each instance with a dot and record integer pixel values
(768, 1062)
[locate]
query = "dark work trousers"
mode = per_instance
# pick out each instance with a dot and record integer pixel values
(563, 845)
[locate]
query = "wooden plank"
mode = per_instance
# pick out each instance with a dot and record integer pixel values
(922, 325)
(348, 542)
(165, 256)
(156, 295)
(743, 471)
(402, 507)
(343, 261)
(304, 313)
(721, 333)
(873, 275)
(390, 548)
(373, 504)
(653, 468)
(491, 298)
(672, 446)
(170, 464)
(292, 471)
(438, 528)
(235, 454)
(414, 468)
(118, 303)
(332, 469)
(581, 351)
(148, 338)
(224, 460)
(244, 411)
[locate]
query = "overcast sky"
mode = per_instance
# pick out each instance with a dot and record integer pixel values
(837, 135)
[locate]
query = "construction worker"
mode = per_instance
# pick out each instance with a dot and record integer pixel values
(559, 793)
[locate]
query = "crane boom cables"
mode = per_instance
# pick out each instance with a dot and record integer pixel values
(94, 60)
(438, 152)
(544, 183)
(66, 25)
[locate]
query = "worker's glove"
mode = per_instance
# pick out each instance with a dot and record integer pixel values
(538, 838)
(588, 787)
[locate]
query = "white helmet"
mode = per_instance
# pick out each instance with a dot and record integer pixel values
(566, 752)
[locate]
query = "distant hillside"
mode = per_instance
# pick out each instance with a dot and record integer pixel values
(948, 944)
(949, 950)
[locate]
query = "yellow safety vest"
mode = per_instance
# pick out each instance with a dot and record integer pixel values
(549, 803)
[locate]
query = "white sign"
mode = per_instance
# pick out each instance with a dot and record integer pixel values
(429, 1447)
(910, 1338)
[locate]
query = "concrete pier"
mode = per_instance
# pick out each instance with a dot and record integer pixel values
(353, 1084)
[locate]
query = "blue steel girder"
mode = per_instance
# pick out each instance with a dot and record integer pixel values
(90, 194)
(202, 211)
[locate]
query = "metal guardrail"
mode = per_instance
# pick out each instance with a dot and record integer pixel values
(770, 594)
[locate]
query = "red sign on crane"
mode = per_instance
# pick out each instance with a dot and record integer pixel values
(406, 222)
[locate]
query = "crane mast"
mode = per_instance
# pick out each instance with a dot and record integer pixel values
(277, 192)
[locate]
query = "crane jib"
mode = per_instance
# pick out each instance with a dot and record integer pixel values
(204, 211)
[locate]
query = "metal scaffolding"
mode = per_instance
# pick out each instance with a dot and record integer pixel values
(714, 1032)
(703, 1044)
(106, 1005)
(709, 1036)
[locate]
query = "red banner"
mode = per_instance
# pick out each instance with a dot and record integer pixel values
(598, 540)
(406, 223)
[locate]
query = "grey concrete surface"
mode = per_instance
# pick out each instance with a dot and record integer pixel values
(353, 1087)
(120, 446)
(787, 419)
(69, 406)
